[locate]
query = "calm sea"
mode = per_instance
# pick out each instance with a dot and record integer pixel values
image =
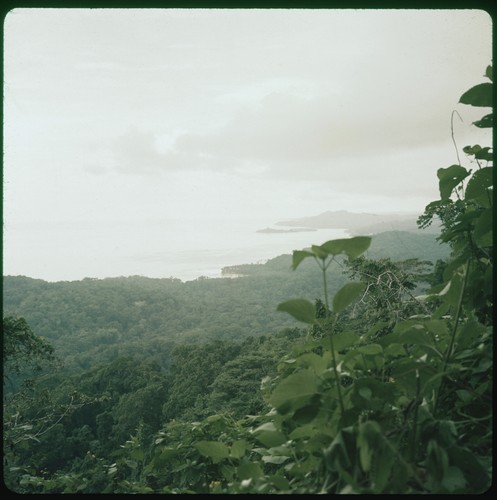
(156, 249)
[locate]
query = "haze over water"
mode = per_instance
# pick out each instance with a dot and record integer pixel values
(119, 121)
(157, 249)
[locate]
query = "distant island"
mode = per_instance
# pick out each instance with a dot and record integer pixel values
(293, 230)
(359, 223)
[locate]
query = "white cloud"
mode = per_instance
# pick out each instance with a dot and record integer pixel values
(136, 152)
(236, 113)
(292, 135)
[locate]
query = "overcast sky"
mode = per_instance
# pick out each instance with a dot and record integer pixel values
(113, 115)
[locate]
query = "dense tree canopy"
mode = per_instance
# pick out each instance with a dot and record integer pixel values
(23, 351)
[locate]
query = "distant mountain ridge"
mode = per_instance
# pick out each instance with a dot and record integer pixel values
(355, 223)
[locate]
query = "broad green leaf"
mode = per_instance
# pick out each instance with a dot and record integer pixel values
(449, 178)
(368, 439)
(395, 350)
(417, 334)
(266, 427)
(271, 438)
(346, 295)
(350, 358)
(300, 309)
(439, 327)
(469, 332)
(228, 472)
(165, 456)
(479, 186)
(402, 326)
(373, 392)
(464, 395)
(299, 256)
(404, 372)
(213, 449)
(486, 121)
(238, 448)
(308, 410)
(483, 229)
(456, 284)
(489, 73)
(280, 482)
(314, 361)
(344, 340)
(485, 154)
(437, 460)
(274, 459)
(370, 349)
(281, 450)
(341, 453)
(382, 472)
(479, 95)
(319, 252)
(454, 480)
(137, 454)
(249, 470)
(304, 431)
(365, 392)
(352, 247)
(295, 390)
(471, 150)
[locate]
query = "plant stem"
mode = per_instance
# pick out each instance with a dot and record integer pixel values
(450, 347)
(412, 447)
(325, 287)
(335, 369)
(332, 330)
(452, 133)
(456, 319)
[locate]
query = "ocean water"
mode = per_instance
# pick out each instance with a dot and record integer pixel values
(203, 251)
(157, 249)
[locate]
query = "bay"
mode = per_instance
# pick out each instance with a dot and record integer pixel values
(161, 248)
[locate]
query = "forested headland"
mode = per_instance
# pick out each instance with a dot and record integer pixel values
(359, 365)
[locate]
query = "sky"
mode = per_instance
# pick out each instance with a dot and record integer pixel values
(133, 116)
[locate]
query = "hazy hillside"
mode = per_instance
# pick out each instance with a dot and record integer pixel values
(399, 245)
(358, 223)
(396, 245)
(93, 320)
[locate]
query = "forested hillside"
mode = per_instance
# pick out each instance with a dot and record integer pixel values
(135, 352)
(95, 321)
(359, 365)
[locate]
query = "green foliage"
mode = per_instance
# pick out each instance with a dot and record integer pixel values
(92, 322)
(194, 369)
(388, 414)
(449, 178)
(23, 351)
(479, 95)
(398, 425)
(300, 309)
(386, 391)
(352, 248)
(392, 293)
(236, 390)
(346, 295)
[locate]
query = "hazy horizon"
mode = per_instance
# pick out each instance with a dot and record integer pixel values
(115, 119)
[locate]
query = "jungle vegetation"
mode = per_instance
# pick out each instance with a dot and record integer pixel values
(351, 366)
